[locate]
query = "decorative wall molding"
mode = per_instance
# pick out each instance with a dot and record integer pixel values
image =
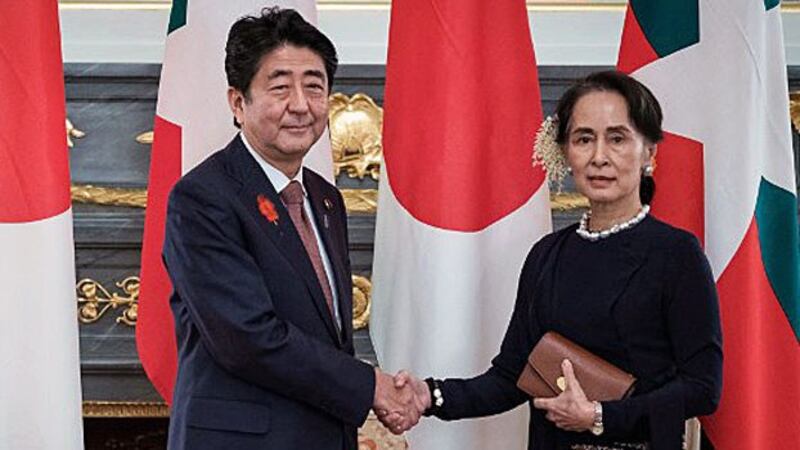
(568, 201)
(110, 196)
(371, 436)
(356, 200)
(532, 5)
(145, 138)
(565, 32)
(362, 201)
(94, 300)
(103, 409)
(73, 133)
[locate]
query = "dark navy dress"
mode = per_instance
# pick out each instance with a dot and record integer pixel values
(644, 300)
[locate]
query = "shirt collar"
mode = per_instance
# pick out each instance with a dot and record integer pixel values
(278, 179)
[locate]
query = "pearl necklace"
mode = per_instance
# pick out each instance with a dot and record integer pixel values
(583, 228)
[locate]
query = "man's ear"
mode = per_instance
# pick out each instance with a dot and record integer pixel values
(236, 103)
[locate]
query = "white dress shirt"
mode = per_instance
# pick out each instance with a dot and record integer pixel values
(279, 181)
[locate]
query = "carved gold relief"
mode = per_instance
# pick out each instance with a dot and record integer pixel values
(73, 132)
(94, 300)
(362, 301)
(374, 436)
(356, 124)
(145, 138)
(366, 201)
(109, 196)
(360, 200)
(104, 409)
(566, 201)
(356, 200)
(794, 108)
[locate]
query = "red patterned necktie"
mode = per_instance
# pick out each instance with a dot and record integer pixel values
(292, 197)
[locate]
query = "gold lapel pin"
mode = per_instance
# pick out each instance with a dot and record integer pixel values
(328, 204)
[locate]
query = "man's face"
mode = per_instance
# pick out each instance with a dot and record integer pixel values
(286, 109)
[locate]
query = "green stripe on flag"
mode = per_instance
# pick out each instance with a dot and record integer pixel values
(669, 26)
(177, 16)
(776, 215)
(771, 3)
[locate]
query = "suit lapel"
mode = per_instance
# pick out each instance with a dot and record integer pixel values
(281, 231)
(327, 221)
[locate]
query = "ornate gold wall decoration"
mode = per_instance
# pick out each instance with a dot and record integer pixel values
(145, 138)
(794, 108)
(566, 201)
(99, 195)
(73, 132)
(104, 409)
(356, 200)
(362, 301)
(94, 300)
(374, 436)
(356, 124)
(360, 200)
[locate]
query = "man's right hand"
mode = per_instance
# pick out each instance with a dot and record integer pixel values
(422, 395)
(397, 407)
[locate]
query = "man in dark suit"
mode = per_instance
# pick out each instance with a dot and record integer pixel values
(256, 248)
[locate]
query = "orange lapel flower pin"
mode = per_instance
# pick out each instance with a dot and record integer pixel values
(267, 209)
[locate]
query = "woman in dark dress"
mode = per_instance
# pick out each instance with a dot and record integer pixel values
(629, 288)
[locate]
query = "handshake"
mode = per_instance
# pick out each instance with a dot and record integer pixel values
(400, 400)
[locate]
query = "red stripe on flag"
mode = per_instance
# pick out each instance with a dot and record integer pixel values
(680, 177)
(635, 50)
(760, 406)
(461, 111)
(34, 164)
(155, 329)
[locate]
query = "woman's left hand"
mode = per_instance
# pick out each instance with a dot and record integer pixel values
(571, 410)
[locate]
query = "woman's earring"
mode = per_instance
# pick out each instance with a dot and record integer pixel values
(647, 170)
(569, 170)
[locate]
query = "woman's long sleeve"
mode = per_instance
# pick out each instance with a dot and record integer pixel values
(693, 325)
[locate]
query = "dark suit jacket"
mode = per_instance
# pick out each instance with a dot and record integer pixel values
(666, 315)
(260, 363)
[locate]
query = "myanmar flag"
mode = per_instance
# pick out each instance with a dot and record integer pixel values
(192, 121)
(725, 172)
(460, 204)
(40, 389)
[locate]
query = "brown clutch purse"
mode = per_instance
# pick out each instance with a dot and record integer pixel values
(600, 380)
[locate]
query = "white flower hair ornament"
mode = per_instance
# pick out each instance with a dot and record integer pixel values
(548, 154)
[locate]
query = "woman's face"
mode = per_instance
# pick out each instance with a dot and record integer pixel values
(605, 152)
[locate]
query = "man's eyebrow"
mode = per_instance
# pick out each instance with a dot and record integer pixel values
(314, 73)
(277, 73)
